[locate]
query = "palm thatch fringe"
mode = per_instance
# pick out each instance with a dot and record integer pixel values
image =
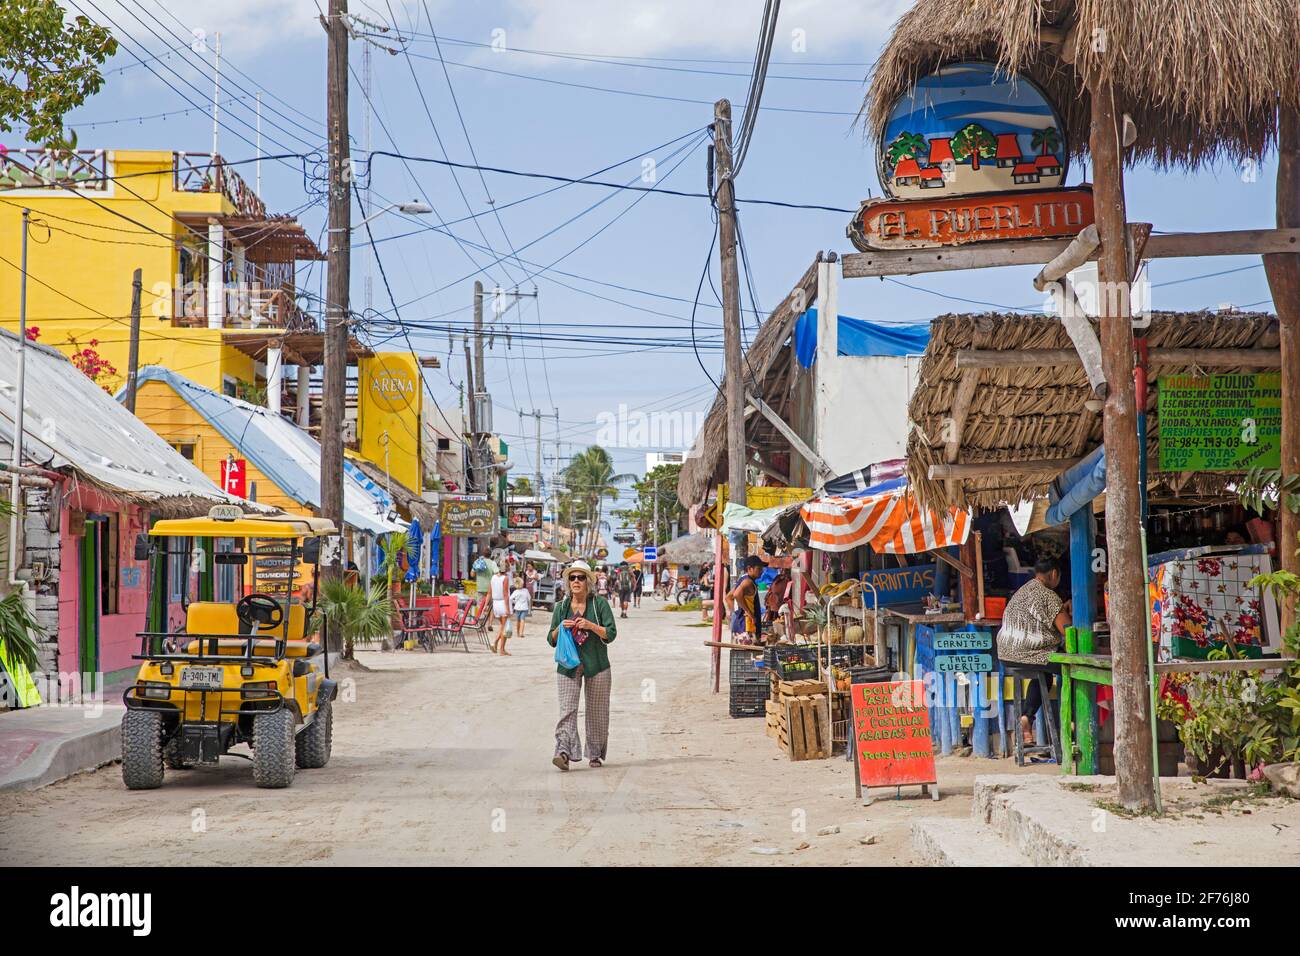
(1032, 414)
(1202, 81)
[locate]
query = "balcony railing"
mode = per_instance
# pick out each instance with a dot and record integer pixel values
(203, 173)
(246, 307)
(34, 168)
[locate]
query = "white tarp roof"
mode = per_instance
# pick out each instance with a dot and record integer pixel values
(70, 422)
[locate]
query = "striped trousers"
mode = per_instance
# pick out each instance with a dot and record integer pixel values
(567, 740)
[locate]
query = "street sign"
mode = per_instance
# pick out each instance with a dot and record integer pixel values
(710, 518)
(651, 554)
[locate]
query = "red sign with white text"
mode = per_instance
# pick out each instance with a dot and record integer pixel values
(234, 476)
(891, 732)
(954, 221)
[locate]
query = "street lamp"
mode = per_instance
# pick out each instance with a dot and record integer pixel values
(412, 208)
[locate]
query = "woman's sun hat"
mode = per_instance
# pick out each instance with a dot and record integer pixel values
(583, 568)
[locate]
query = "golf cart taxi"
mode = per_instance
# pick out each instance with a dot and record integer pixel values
(241, 670)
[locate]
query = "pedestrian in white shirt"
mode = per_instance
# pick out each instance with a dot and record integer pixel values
(500, 589)
(521, 605)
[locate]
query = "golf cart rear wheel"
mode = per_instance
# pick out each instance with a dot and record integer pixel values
(142, 753)
(172, 755)
(313, 745)
(273, 749)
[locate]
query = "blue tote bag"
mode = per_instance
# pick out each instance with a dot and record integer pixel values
(566, 650)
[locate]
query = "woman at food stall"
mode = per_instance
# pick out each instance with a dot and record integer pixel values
(1033, 627)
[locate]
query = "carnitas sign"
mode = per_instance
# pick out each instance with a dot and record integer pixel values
(971, 155)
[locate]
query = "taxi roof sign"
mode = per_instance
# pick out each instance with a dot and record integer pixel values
(225, 512)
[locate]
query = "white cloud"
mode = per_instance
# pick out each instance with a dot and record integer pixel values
(709, 27)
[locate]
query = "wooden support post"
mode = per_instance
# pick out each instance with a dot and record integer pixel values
(1127, 573)
(1283, 271)
(133, 356)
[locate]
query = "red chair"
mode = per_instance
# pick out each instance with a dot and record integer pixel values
(449, 631)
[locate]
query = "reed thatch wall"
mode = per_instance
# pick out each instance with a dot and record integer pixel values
(1030, 414)
(1201, 80)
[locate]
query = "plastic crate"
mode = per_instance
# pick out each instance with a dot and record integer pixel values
(746, 668)
(869, 675)
(801, 661)
(748, 700)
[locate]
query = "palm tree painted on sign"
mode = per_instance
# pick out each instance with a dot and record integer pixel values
(974, 142)
(591, 479)
(1046, 140)
(905, 145)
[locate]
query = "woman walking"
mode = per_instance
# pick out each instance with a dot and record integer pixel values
(590, 619)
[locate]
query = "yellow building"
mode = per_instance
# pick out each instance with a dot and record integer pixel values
(218, 271)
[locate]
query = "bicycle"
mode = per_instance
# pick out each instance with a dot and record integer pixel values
(687, 594)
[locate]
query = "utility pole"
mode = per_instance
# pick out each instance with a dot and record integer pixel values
(334, 379)
(133, 356)
(471, 423)
(216, 97)
(734, 387)
(15, 486)
(476, 481)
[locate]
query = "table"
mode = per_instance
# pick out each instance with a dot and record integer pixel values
(415, 625)
(1083, 671)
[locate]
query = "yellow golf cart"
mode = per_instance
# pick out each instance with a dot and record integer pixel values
(242, 670)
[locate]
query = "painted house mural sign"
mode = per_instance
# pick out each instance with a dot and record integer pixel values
(971, 155)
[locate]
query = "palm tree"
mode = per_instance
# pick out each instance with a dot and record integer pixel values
(904, 145)
(354, 614)
(1046, 140)
(591, 479)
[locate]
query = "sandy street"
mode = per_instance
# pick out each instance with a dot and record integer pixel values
(445, 758)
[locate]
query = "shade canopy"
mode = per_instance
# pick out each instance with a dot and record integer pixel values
(889, 520)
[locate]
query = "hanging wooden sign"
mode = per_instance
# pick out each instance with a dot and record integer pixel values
(914, 224)
(969, 130)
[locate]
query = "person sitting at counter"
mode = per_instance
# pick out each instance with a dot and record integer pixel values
(1033, 626)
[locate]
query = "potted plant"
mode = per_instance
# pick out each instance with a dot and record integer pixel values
(355, 615)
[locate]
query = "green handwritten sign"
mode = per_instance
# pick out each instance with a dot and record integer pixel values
(1220, 422)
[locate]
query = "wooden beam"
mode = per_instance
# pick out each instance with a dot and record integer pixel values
(998, 469)
(792, 437)
(957, 426)
(968, 359)
(1079, 251)
(1027, 252)
(960, 566)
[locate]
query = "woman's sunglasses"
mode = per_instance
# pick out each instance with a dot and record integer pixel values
(577, 577)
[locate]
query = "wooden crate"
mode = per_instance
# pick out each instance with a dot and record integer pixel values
(801, 727)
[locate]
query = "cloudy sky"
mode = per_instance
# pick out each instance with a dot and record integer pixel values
(569, 87)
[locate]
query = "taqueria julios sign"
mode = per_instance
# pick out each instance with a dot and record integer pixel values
(969, 154)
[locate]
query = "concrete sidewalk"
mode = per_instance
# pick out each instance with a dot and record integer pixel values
(40, 745)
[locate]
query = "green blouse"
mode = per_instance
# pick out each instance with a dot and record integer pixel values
(592, 651)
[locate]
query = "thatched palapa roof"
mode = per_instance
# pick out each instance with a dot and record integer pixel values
(1201, 80)
(762, 363)
(1030, 413)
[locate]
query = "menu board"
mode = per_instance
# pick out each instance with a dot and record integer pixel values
(1228, 422)
(891, 730)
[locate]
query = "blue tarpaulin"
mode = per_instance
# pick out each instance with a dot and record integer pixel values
(859, 337)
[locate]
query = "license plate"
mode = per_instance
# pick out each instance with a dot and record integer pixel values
(201, 678)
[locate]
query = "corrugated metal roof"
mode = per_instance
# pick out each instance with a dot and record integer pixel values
(281, 450)
(69, 422)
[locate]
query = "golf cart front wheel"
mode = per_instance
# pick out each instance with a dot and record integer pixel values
(273, 749)
(142, 751)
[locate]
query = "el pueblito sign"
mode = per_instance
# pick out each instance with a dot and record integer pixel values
(971, 155)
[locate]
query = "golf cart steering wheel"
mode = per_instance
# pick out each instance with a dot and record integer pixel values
(260, 609)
